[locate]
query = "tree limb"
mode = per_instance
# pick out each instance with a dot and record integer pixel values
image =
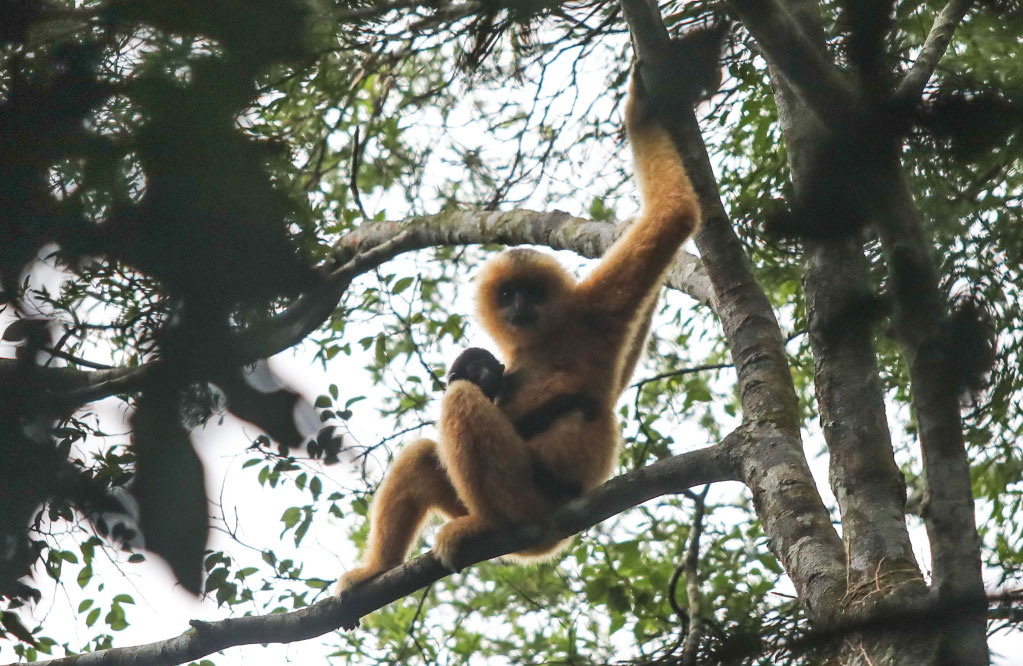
(674, 475)
(362, 250)
(911, 88)
(773, 466)
(805, 65)
(691, 647)
(556, 229)
(865, 479)
(921, 312)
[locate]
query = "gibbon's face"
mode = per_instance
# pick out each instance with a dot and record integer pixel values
(521, 297)
(521, 302)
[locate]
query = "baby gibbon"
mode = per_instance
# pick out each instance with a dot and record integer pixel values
(569, 347)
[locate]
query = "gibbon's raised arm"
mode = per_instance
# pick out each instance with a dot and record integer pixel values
(635, 264)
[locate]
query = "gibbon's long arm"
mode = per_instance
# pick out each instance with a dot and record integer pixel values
(635, 264)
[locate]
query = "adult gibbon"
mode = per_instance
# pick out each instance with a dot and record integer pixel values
(569, 347)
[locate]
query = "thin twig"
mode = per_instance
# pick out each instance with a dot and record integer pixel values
(693, 590)
(683, 371)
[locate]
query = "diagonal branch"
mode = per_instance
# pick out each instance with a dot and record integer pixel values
(674, 475)
(912, 86)
(790, 51)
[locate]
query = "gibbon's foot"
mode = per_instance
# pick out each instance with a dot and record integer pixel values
(355, 577)
(349, 580)
(450, 537)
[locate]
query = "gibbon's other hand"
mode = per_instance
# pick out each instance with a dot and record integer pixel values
(479, 367)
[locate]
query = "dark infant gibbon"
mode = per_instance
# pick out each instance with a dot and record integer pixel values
(516, 444)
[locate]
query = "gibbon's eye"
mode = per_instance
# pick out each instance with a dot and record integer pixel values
(505, 294)
(529, 291)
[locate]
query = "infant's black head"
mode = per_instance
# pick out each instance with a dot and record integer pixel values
(479, 367)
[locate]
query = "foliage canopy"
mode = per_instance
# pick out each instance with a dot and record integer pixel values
(188, 188)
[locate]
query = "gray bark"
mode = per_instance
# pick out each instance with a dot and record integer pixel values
(867, 483)
(869, 491)
(673, 475)
(771, 460)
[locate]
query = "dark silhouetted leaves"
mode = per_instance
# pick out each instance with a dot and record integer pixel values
(210, 225)
(12, 624)
(255, 32)
(170, 488)
(41, 116)
(32, 331)
(971, 340)
(495, 17)
(974, 123)
(272, 410)
(17, 16)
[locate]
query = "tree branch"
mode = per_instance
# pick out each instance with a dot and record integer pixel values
(694, 592)
(556, 229)
(364, 249)
(867, 483)
(806, 66)
(911, 88)
(949, 512)
(707, 465)
(774, 466)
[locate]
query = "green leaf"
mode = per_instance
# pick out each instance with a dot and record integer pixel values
(401, 285)
(84, 576)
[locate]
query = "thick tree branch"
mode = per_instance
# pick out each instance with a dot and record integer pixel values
(556, 230)
(360, 251)
(71, 387)
(707, 465)
(867, 483)
(774, 466)
(911, 88)
(949, 513)
(788, 48)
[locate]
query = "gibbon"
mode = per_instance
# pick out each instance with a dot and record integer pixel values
(479, 367)
(514, 445)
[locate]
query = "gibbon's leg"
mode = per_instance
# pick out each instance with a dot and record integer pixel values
(489, 465)
(415, 484)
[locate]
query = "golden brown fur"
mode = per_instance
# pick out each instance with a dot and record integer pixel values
(586, 341)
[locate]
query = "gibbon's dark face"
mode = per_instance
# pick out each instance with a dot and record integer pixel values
(521, 302)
